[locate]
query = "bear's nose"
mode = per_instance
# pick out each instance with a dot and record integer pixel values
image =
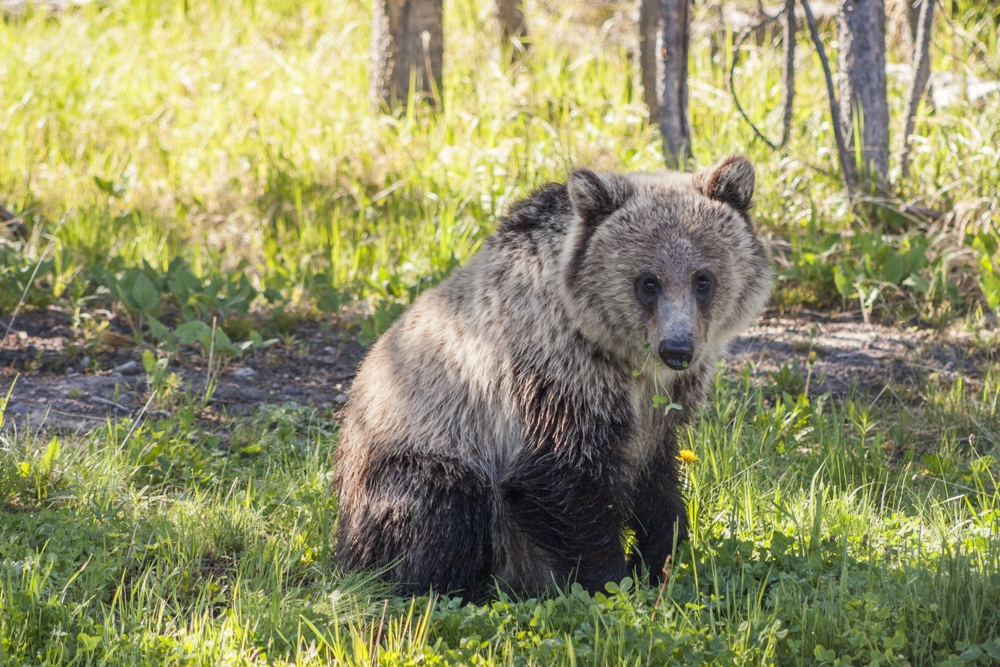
(676, 352)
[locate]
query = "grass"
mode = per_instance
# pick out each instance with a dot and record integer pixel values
(193, 162)
(238, 137)
(856, 532)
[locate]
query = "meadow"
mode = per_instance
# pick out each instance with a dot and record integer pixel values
(185, 164)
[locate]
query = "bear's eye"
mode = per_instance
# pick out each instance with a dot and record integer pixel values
(647, 288)
(703, 284)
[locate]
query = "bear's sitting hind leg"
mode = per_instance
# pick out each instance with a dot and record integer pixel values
(568, 512)
(424, 519)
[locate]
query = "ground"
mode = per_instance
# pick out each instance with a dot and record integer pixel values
(315, 368)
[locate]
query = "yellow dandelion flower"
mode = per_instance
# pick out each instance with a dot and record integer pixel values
(687, 456)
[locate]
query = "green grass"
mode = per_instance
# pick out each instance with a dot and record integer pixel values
(857, 532)
(238, 136)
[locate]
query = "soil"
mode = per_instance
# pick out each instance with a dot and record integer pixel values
(316, 365)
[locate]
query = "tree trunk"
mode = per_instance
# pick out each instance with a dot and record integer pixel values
(407, 41)
(788, 72)
(912, 9)
(921, 73)
(863, 98)
(663, 55)
(838, 129)
(649, 65)
(510, 16)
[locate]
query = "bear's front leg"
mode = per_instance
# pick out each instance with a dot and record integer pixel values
(658, 514)
(571, 510)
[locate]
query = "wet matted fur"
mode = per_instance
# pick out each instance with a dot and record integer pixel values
(503, 430)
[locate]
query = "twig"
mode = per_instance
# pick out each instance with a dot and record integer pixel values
(921, 73)
(378, 635)
(838, 134)
(663, 586)
(31, 281)
(105, 401)
(732, 74)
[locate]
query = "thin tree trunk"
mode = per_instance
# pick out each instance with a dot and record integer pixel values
(921, 73)
(407, 41)
(788, 72)
(838, 130)
(510, 16)
(912, 9)
(664, 27)
(863, 98)
(651, 67)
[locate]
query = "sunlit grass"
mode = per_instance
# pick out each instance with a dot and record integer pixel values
(240, 136)
(854, 530)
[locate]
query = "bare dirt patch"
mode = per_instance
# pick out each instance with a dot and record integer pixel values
(851, 355)
(61, 386)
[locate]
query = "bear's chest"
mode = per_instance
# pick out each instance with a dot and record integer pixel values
(655, 417)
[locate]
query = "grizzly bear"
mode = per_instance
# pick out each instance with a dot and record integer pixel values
(503, 431)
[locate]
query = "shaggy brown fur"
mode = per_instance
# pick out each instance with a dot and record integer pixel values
(503, 430)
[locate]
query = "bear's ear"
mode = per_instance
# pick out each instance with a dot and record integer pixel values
(730, 182)
(595, 197)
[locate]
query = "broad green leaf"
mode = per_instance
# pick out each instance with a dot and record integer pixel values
(193, 332)
(148, 362)
(144, 293)
(894, 269)
(992, 648)
(48, 461)
(157, 328)
(845, 285)
(182, 283)
(990, 284)
(917, 283)
(222, 341)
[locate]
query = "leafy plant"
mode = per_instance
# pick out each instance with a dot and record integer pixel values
(870, 268)
(987, 243)
(789, 379)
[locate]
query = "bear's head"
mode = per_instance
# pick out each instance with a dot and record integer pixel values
(664, 264)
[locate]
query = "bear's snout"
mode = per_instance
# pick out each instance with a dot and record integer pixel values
(677, 353)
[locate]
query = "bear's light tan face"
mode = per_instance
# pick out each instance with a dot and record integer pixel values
(671, 272)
